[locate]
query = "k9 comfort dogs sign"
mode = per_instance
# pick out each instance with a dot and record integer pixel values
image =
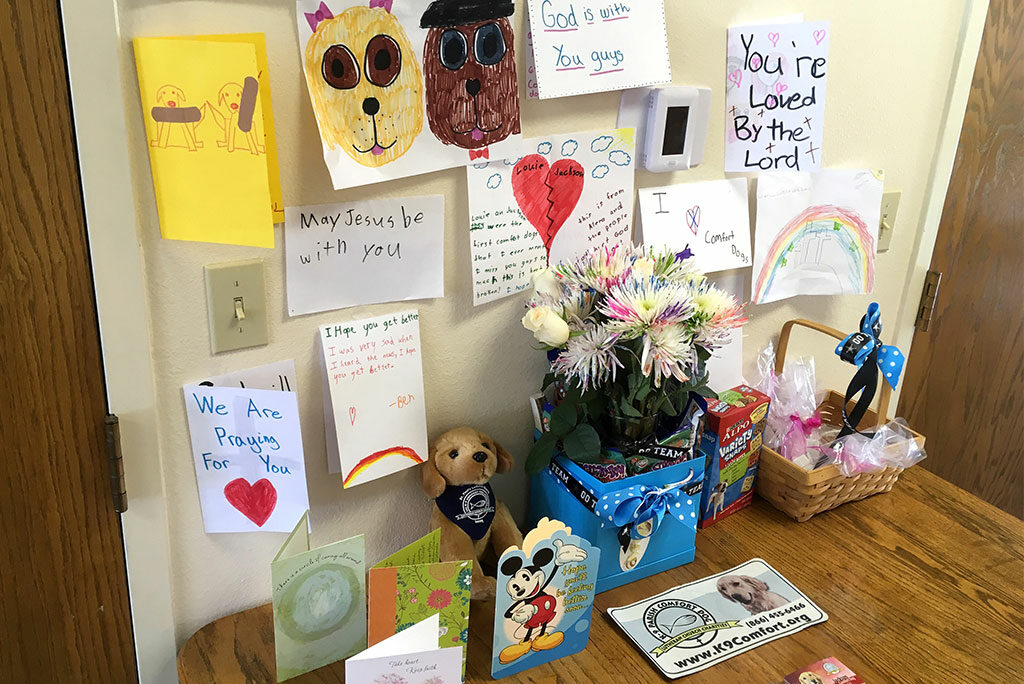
(697, 625)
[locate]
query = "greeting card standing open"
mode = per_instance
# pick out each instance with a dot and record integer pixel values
(545, 599)
(319, 602)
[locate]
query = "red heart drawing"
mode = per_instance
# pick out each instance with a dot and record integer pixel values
(256, 502)
(352, 414)
(547, 194)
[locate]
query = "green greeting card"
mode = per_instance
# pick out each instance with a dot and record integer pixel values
(319, 602)
(412, 585)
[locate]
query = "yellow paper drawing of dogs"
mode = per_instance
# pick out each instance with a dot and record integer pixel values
(366, 85)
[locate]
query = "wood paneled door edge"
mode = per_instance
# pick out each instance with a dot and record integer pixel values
(965, 58)
(97, 55)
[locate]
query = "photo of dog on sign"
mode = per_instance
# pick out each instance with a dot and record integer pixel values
(376, 70)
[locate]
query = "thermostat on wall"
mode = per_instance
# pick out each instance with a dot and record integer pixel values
(676, 128)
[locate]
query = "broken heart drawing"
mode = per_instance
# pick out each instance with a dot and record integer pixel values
(570, 195)
(693, 218)
(547, 194)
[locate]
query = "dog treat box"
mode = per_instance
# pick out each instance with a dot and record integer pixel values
(731, 445)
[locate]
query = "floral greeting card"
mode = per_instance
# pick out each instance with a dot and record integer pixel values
(411, 585)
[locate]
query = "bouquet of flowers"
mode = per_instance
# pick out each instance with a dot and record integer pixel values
(628, 333)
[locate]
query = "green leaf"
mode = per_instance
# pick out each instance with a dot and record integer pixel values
(541, 453)
(583, 445)
(627, 409)
(549, 378)
(563, 419)
(702, 353)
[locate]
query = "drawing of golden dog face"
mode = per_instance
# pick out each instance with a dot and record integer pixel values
(470, 66)
(366, 85)
(231, 96)
(170, 96)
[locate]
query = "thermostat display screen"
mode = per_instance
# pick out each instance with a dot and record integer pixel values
(675, 130)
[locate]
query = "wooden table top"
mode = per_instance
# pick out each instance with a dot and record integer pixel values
(923, 584)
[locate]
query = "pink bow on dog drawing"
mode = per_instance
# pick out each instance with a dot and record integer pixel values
(323, 13)
(383, 4)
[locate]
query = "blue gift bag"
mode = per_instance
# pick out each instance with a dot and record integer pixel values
(643, 524)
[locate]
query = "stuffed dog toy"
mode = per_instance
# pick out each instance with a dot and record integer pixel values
(470, 67)
(365, 83)
(470, 517)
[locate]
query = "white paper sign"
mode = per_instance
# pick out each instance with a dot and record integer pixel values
(273, 376)
(390, 103)
(409, 657)
(816, 233)
(569, 194)
(341, 255)
(593, 46)
(775, 96)
(374, 411)
(250, 467)
(712, 218)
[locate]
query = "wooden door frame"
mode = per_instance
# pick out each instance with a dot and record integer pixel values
(98, 55)
(94, 51)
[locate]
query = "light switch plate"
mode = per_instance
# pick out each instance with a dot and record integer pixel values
(226, 283)
(890, 207)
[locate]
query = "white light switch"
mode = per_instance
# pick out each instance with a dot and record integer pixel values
(237, 304)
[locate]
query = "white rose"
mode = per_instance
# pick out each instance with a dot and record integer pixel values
(644, 266)
(546, 282)
(547, 326)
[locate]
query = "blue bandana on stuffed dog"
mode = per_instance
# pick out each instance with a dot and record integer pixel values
(471, 507)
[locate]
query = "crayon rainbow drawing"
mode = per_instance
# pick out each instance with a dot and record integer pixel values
(367, 463)
(822, 223)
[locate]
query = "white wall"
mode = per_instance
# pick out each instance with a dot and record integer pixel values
(889, 81)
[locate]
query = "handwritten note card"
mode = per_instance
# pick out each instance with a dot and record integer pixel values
(711, 218)
(250, 467)
(409, 657)
(775, 96)
(592, 46)
(341, 255)
(373, 385)
(569, 194)
(319, 602)
(817, 233)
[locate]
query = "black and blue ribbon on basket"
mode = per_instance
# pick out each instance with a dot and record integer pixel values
(864, 349)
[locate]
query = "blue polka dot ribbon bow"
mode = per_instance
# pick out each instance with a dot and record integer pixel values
(639, 504)
(858, 347)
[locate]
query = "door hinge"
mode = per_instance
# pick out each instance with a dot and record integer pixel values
(112, 429)
(929, 296)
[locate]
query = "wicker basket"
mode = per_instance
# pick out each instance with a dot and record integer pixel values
(802, 494)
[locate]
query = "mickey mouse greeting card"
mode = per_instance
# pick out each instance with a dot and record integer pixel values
(545, 599)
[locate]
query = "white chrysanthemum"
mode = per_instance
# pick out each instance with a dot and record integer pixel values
(589, 358)
(600, 269)
(640, 304)
(711, 301)
(668, 352)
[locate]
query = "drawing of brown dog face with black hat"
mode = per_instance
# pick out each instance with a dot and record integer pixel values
(470, 72)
